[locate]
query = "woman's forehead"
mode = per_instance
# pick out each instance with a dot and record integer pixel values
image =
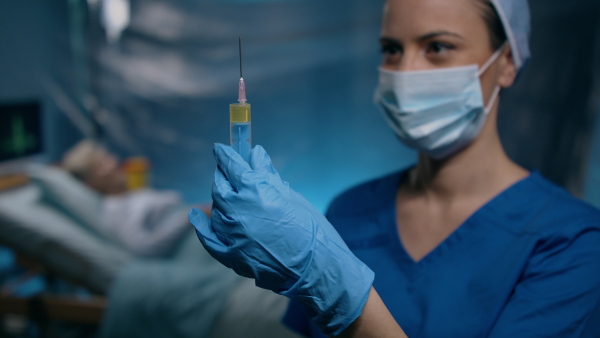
(408, 19)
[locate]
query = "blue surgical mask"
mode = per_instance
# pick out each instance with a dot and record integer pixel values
(437, 112)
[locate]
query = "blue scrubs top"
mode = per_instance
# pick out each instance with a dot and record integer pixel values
(526, 264)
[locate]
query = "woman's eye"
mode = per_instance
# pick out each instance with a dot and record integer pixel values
(439, 47)
(390, 49)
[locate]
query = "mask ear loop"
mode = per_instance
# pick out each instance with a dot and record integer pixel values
(493, 99)
(483, 69)
(492, 59)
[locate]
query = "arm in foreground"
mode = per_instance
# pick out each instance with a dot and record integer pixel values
(375, 321)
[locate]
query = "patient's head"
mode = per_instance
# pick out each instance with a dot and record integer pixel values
(96, 167)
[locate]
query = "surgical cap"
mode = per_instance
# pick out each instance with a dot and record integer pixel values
(514, 15)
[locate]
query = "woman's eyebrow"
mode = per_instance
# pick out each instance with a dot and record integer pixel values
(388, 40)
(391, 41)
(436, 34)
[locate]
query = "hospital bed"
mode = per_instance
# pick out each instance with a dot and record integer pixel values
(52, 222)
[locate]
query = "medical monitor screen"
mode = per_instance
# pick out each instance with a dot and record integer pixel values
(20, 130)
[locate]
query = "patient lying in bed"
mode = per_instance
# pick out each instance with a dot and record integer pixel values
(55, 220)
(146, 222)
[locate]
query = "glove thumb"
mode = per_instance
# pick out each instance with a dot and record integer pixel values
(204, 231)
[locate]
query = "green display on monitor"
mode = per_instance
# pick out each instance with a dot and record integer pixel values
(20, 130)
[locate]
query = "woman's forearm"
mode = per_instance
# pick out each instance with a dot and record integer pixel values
(375, 321)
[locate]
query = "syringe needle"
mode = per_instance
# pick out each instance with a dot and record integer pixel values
(241, 86)
(240, 45)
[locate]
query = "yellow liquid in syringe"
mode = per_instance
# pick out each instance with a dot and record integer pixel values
(240, 129)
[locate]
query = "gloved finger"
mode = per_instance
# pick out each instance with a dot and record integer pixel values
(261, 162)
(221, 184)
(224, 227)
(222, 193)
(205, 232)
(231, 164)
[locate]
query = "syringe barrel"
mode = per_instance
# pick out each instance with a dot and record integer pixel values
(240, 123)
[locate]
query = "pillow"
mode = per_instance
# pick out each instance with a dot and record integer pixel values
(63, 191)
(47, 235)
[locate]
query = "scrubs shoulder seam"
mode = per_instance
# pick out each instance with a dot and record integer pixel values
(543, 189)
(529, 228)
(557, 193)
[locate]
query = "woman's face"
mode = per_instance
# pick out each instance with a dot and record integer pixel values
(430, 34)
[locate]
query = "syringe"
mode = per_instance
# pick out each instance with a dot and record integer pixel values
(240, 119)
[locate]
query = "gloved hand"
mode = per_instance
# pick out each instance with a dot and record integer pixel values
(263, 229)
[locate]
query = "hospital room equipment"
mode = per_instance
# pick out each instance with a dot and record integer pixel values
(240, 120)
(20, 135)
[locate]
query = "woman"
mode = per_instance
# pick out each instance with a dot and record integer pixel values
(465, 244)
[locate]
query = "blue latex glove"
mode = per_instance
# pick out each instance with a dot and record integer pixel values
(263, 229)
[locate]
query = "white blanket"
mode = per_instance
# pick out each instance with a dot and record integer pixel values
(146, 222)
